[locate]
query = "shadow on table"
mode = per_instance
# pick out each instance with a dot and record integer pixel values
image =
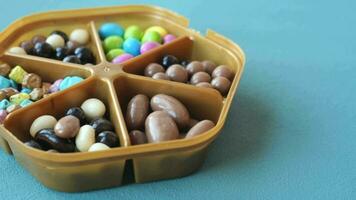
(244, 136)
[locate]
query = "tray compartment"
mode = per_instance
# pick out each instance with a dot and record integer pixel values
(45, 27)
(157, 165)
(73, 171)
(48, 71)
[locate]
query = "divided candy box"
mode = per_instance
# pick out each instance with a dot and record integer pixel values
(132, 87)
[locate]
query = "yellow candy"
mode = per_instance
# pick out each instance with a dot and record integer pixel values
(17, 74)
(158, 29)
(18, 98)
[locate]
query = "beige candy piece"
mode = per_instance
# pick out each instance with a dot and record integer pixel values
(36, 94)
(194, 67)
(67, 127)
(10, 91)
(177, 73)
(152, 69)
(137, 111)
(173, 107)
(223, 71)
(204, 84)
(160, 126)
(98, 147)
(32, 80)
(222, 84)
(42, 122)
(12, 108)
(160, 76)
(199, 128)
(45, 87)
(4, 69)
(200, 77)
(2, 95)
(85, 138)
(208, 66)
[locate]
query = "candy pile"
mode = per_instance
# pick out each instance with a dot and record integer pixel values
(121, 45)
(59, 46)
(168, 121)
(202, 74)
(19, 88)
(73, 132)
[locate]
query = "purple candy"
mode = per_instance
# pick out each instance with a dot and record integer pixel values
(169, 38)
(55, 86)
(148, 46)
(3, 115)
(122, 58)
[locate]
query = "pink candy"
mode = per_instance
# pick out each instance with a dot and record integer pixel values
(169, 38)
(55, 86)
(148, 46)
(122, 58)
(3, 115)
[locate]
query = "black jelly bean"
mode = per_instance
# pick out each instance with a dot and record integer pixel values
(169, 60)
(109, 138)
(61, 53)
(33, 144)
(85, 55)
(72, 59)
(62, 34)
(48, 140)
(185, 63)
(43, 49)
(101, 125)
(78, 113)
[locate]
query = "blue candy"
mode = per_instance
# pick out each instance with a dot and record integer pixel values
(4, 104)
(26, 90)
(25, 102)
(4, 82)
(13, 84)
(69, 81)
(110, 29)
(132, 46)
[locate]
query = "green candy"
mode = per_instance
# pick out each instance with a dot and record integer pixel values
(158, 29)
(133, 32)
(112, 42)
(152, 36)
(113, 54)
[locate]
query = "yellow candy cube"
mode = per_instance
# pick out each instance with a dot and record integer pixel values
(18, 98)
(17, 74)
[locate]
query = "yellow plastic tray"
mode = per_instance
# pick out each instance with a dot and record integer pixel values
(115, 85)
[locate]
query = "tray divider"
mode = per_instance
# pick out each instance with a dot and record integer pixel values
(124, 136)
(97, 42)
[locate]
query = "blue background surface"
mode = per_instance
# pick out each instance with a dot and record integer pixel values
(291, 131)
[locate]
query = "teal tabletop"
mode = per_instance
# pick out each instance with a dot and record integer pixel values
(291, 130)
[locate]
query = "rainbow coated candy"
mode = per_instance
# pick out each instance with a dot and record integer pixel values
(4, 82)
(17, 74)
(18, 98)
(121, 45)
(132, 46)
(114, 53)
(109, 29)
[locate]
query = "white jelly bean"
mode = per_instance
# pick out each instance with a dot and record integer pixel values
(42, 122)
(98, 147)
(85, 138)
(17, 50)
(80, 35)
(55, 41)
(93, 108)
